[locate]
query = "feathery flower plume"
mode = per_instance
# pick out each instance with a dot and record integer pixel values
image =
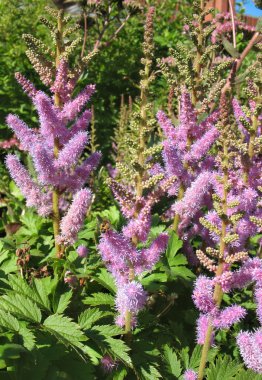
(30, 190)
(72, 222)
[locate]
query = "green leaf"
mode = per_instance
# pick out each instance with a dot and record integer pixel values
(28, 337)
(154, 277)
(20, 306)
(181, 271)
(106, 279)
(174, 245)
(11, 351)
(65, 330)
(248, 375)
(173, 365)
(99, 299)
(118, 349)
(38, 293)
(177, 260)
(108, 330)
(195, 357)
(63, 302)
(149, 372)
(223, 368)
(90, 316)
(42, 290)
(9, 322)
(230, 48)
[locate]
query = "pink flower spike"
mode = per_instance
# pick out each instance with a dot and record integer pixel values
(69, 155)
(72, 222)
(73, 107)
(26, 135)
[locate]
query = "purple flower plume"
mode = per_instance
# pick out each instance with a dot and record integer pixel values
(31, 191)
(73, 107)
(130, 297)
(26, 85)
(150, 256)
(202, 326)
(69, 155)
(50, 124)
(73, 220)
(194, 196)
(227, 317)
(27, 136)
(202, 145)
(166, 125)
(250, 345)
(203, 294)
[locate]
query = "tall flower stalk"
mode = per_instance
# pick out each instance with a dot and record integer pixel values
(55, 147)
(137, 187)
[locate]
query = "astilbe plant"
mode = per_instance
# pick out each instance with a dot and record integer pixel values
(231, 223)
(137, 191)
(56, 147)
(186, 156)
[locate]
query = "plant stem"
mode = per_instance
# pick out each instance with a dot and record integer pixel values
(58, 103)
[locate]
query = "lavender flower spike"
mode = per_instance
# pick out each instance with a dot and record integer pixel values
(69, 155)
(26, 135)
(250, 345)
(73, 220)
(74, 107)
(130, 297)
(194, 195)
(30, 190)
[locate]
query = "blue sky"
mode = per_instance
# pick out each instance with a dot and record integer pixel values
(251, 9)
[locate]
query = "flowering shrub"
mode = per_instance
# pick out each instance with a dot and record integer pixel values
(148, 266)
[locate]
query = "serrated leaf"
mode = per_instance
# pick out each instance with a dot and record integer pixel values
(11, 323)
(195, 357)
(107, 280)
(119, 350)
(64, 329)
(94, 356)
(109, 330)
(8, 321)
(63, 302)
(223, 368)
(119, 374)
(90, 316)
(149, 372)
(38, 293)
(115, 347)
(42, 288)
(99, 299)
(248, 375)
(28, 337)
(173, 365)
(20, 306)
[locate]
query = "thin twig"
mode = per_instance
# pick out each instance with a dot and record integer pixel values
(233, 23)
